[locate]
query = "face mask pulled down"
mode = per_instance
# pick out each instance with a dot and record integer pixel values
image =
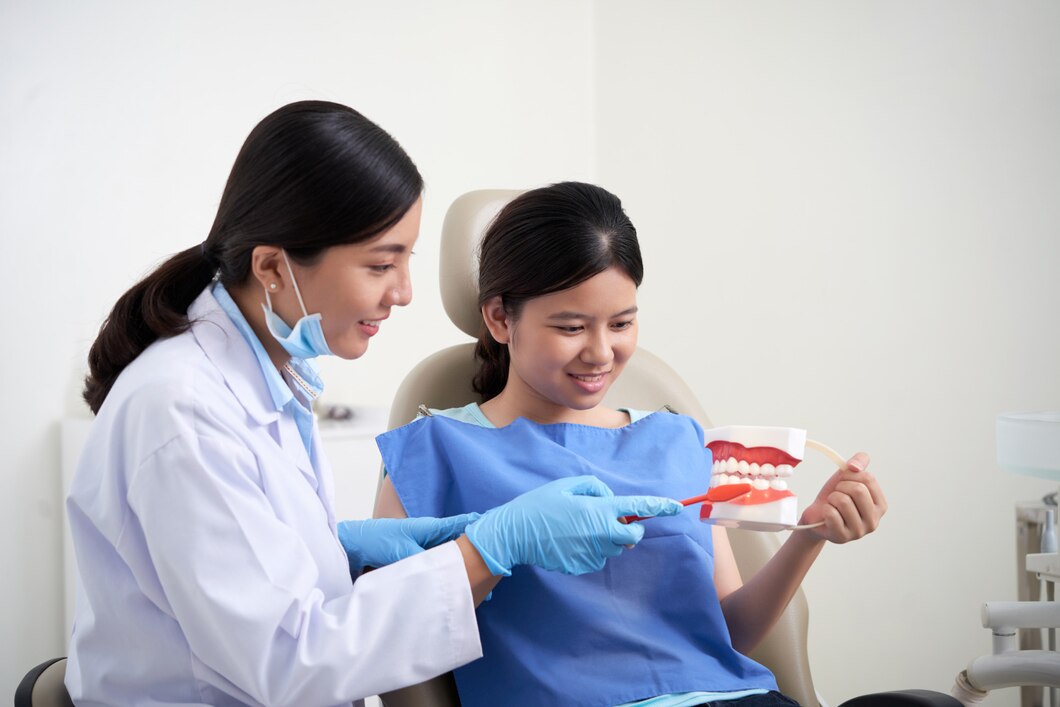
(306, 339)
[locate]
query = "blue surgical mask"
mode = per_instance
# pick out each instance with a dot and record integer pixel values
(306, 339)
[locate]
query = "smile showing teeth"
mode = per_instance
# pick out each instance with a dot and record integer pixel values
(588, 378)
(371, 322)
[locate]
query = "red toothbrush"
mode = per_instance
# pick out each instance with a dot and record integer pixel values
(718, 494)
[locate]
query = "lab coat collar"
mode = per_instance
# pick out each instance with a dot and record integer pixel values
(224, 345)
(281, 393)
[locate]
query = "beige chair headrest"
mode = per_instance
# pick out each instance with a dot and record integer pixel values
(465, 224)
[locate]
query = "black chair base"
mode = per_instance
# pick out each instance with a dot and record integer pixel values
(904, 698)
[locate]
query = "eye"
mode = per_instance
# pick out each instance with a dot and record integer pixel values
(381, 268)
(622, 325)
(569, 329)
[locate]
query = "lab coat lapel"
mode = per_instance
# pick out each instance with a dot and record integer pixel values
(225, 346)
(293, 446)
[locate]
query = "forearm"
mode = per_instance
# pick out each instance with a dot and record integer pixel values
(479, 576)
(753, 609)
(482, 581)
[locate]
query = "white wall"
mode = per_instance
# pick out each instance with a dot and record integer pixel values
(849, 215)
(848, 212)
(119, 123)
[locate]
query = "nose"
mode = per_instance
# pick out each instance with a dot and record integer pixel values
(598, 350)
(400, 294)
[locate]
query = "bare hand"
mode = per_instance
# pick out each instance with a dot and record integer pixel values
(851, 503)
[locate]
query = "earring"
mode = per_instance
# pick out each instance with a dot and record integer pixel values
(272, 285)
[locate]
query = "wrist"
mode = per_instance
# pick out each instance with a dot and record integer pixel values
(496, 567)
(807, 540)
(479, 576)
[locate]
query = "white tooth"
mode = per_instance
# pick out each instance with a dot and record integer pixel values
(743, 467)
(785, 470)
(717, 467)
(761, 484)
(779, 484)
(769, 470)
(755, 469)
(724, 480)
(731, 466)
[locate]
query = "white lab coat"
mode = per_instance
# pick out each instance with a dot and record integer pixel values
(210, 568)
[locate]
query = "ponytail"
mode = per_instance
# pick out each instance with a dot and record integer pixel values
(493, 362)
(311, 175)
(154, 308)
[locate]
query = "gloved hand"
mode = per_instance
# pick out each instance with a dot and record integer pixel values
(381, 541)
(568, 525)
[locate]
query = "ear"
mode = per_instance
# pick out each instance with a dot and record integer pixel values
(267, 267)
(496, 319)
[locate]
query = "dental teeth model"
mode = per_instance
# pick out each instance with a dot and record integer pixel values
(765, 458)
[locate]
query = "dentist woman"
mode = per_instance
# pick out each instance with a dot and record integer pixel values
(213, 569)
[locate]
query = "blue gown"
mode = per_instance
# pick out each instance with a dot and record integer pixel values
(648, 624)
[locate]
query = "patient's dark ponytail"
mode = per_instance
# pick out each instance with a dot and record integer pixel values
(311, 175)
(543, 241)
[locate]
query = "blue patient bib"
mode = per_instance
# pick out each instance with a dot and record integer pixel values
(648, 624)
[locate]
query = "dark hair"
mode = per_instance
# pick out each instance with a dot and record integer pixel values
(543, 241)
(311, 175)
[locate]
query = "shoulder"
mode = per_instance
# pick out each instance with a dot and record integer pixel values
(668, 419)
(636, 415)
(470, 414)
(171, 390)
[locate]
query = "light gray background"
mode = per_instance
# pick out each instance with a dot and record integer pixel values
(849, 213)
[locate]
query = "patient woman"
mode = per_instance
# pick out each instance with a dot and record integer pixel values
(666, 623)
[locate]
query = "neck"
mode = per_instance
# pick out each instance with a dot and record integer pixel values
(510, 404)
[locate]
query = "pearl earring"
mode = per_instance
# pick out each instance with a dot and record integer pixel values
(272, 285)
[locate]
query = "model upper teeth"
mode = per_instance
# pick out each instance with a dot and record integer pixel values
(760, 476)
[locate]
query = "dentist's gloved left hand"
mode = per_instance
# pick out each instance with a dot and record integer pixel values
(381, 541)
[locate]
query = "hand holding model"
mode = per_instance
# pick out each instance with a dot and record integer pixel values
(568, 525)
(850, 503)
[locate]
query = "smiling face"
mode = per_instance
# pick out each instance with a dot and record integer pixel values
(353, 287)
(568, 347)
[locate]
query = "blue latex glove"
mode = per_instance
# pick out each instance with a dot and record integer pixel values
(381, 541)
(568, 525)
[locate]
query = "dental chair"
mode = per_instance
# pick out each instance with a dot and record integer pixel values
(443, 380)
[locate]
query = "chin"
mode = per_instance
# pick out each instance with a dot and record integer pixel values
(350, 353)
(586, 403)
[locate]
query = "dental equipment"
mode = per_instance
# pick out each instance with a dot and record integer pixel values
(1028, 444)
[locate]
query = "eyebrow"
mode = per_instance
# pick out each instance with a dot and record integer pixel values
(578, 315)
(388, 248)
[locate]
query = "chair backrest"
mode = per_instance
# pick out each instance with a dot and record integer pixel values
(443, 380)
(43, 686)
